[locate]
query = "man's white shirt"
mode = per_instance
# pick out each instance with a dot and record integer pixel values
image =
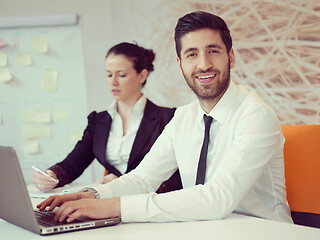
(245, 166)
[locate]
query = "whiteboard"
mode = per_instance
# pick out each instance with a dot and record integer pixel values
(43, 106)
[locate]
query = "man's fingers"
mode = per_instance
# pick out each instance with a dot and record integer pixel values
(72, 206)
(65, 210)
(71, 210)
(56, 202)
(52, 201)
(74, 215)
(59, 212)
(45, 203)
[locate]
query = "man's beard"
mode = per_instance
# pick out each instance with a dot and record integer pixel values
(205, 94)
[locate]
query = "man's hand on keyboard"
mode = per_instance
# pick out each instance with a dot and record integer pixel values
(57, 200)
(81, 204)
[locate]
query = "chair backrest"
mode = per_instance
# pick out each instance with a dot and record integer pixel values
(302, 172)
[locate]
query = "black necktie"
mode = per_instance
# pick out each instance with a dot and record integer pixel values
(201, 173)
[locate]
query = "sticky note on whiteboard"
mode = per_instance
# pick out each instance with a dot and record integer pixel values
(24, 59)
(5, 76)
(31, 146)
(50, 79)
(60, 115)
(3, 59)
(40, 44)
(43, 116)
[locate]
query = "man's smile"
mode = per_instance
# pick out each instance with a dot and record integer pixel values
(206, 78)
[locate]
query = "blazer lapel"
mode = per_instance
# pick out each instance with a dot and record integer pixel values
(146, 128)
(101, 136)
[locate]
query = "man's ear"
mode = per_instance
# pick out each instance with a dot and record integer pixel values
(232, 58)
(179, 64)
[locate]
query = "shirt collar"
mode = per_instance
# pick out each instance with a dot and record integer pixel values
(139, 107)
(137, 110)
(222, 109)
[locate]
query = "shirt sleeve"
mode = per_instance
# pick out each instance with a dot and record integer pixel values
(256, 142)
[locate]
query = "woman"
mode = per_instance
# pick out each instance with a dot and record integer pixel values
(120, 137)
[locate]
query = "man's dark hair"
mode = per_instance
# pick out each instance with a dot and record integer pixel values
(198, 20)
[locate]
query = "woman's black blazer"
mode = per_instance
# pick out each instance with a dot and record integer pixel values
(95, 137)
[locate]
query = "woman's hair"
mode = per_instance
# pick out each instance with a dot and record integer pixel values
(198, 20)
(141, 58)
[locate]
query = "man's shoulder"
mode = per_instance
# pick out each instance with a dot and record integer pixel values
(254, 105)
(252, 98)
(191, 107)
(187, 113)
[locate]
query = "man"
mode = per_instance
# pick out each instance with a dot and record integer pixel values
(241, 171)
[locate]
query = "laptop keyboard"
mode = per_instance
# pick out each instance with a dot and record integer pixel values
(45, 218)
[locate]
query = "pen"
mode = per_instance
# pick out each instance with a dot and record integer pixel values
(43, 173)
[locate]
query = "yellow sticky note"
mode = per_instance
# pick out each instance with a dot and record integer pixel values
(29, 131)
(50, 79)
(28, 116)
(43, 132)
(75, 137)
(24, 59)
(31, 146)
(60, 115)
(40, 44)
(5, 76)
(43, 116)
(3, 59)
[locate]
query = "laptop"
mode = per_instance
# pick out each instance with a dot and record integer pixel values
(16, 207)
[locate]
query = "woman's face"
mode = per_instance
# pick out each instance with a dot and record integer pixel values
(123, 80)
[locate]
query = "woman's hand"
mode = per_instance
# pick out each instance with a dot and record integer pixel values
(44, 183)
(106, 179)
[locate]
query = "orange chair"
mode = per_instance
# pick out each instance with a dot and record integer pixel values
(302, 172)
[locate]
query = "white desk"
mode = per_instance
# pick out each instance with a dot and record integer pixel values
(235, 227)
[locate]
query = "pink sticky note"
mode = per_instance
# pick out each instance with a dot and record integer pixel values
(2, 43)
